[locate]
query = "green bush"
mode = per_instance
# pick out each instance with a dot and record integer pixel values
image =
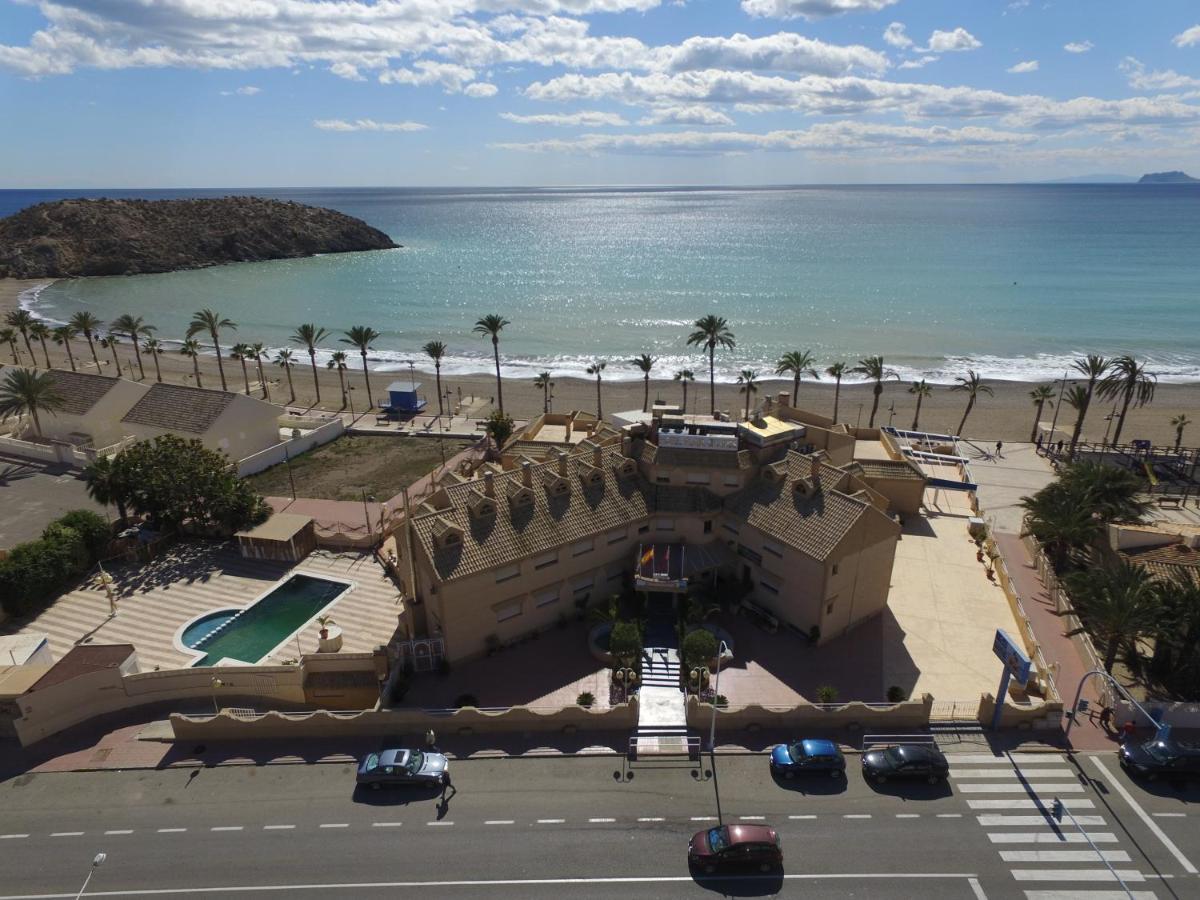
(827, 694)
(625, 643)
(93, 528)
(698, 648)
(586, 699)
(37, 571)
(896, 694)
(67, 546)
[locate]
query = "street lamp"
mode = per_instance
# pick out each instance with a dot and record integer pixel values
(216, 683)
(106, 581)
(1112, 683)
(712, 732)
(97, 861)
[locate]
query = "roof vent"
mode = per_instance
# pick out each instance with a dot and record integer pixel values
(489, 484)
(527, 473)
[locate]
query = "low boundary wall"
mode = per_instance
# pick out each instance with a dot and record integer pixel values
(841, 716)
(277, 453)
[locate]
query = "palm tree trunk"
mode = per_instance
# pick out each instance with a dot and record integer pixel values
(599, 407)
(646, 394)
(1079, 425)
(875, 405)
(29, 346)
(92, 347)
(246, 377)
(1178, 438)
(196, 370)
(312, 356)
(116, 359)
(795, 388)
(45, 352)
(1116, 438)
(137, 352)
(262, 379)
(157, 369)
(837, 395)
(1110, 653)
(1037, 417)
(37, 423)
(220, 364)
(291, 389)
(70, 355)
(917, 414)
(437, 375)
(963, 424)
(342, 382)
(371, 397)
(712, 378)
(499, 383)
(685, 397)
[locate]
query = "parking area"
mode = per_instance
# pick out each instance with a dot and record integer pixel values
(34, 494)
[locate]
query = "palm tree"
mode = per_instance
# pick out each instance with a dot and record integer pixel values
(493, 324)
(285, 360)
(920, 390)
(1059, 522)
(972, 385)
(1076, 397)
(308, 336)
(436, 350)
(9, 336)
(337, 360)
(1118, 603)
(135, 329)
(207, 320)
(796, 363)
(191, 349)
(644, 364)
(361, 337)
(712, 332)
(105, 485)
(684, 376)
(154, 348)
(1128, 380)
(257, 351)
(1108, 493)
(41, 331)
(1176, 659)
(29, 391)
(241, 352)
(1093, 368)
(110, 342)
(544, 384)
(874, 369)
(63, 335)
(1179, 423)
(836, 372)
(22, 320)
(87, 324)
(597, 368)
(748, 378)
(1041, 395)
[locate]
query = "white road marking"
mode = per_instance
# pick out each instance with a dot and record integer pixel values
(802, 817)
(226, 828)
(908, 815)
(976, 889)
(949, 815)
(550, 821)
(597, 821)
(66, 834)
(856, 816)
(956, 759)
(386, 824)
(1072, 787)
(1028, 804)
(498, 822)
(1150, 823)
(1063, 856)
(704, 818)
(993, 821)
(12, 837)
(1012, 773)
(442, 824)
(335, 825)
(171, 830)
(1127, 875)
(278, 827)
(1168, 815)
(752, 818)
(120, 831)
(1050, 837)
(1089, 895)
(651, 819)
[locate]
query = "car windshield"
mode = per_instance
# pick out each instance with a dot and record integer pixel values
(415, 760)
(893, 756)
(796, 752)
(1159, 751)
(372, 761)
(718, 839)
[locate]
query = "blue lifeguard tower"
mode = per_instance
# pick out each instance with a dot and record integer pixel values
(403, 399)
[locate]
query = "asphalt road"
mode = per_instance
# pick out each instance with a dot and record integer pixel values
(559, 827)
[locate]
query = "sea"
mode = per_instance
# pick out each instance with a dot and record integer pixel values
(1013, 281)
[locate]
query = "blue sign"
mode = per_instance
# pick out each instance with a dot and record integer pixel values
(1163, 733)
(1013, 657)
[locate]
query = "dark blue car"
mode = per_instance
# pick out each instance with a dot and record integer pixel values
(789, 760)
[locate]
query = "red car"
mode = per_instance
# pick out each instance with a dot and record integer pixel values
(735, 846)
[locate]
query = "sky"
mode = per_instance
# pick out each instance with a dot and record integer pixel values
(274, 93)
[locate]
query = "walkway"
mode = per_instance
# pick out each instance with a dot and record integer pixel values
(662, 706)
(1004, 480)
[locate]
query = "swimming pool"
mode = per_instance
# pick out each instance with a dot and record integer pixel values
(249, 635)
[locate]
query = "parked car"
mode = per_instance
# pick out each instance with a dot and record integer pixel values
(1155, 758)
(905, 761)
(404, 767)
(799, 757)
(735, 846)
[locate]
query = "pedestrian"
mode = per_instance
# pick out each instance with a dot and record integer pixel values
(999, 447)
(1039, 442)
(1106, 715)
(1060, 446)
(430, 739)
(1127, 731)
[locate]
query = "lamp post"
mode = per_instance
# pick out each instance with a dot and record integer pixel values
(1058, 406)
(858, 421)
(1113, 683)
(106, 581)
(712, 731)
(97, 862)
(216, 683)
(1058, 810)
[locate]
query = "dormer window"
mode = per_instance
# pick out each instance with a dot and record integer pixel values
(626, 468)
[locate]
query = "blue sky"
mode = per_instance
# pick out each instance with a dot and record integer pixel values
(233, 93)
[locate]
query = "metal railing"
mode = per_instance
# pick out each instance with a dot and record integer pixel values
(688, 746)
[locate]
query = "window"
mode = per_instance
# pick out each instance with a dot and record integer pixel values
(642, 529)
(508, 572)
(698, 478)
(732, 529)
(829, 608)
(768, 586)
(773, 549)
(730, 481)
(546, 560)
(615, 537)
(583, 585)
(583, 547)
(835, 568)
(510, 609)
(545, 598)
(746, 553)
(708, 526)
(663, 479)
(664, 524)
(450, 538)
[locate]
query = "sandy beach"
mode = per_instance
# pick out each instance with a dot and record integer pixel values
(1008, 415)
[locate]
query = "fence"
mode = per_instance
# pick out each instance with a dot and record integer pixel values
(277, 453)
(1177, 714)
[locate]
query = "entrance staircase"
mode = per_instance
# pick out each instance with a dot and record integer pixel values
(662, 712)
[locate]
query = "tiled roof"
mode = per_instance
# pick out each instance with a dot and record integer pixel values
(81, 391)
(813, 525)
(83, 660)
(174, 407)
(701, 459)
(889, 468)
(551, 521)
(1166, 562)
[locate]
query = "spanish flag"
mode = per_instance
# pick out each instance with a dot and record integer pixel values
(648, 556)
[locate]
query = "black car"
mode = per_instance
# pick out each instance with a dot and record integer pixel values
(905, 761)
(1154, 758)
(808, 756)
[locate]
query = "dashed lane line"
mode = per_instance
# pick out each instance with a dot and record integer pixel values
(120, 831)
(1150, 823)
(551, 821)
(170, 830)
(66, 834)
(600, 820)
(499, 822)
(227, 828)
(386, 824)
(12, 837)
(278, 827)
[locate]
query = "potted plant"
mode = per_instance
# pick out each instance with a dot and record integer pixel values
(323, 622)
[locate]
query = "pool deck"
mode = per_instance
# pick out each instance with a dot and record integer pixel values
(193, 578)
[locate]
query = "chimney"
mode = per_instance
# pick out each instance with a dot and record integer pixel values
(782, 398)
(562, 463)
(815, 471)
(527, 473)
(597, 456)
(489, 484)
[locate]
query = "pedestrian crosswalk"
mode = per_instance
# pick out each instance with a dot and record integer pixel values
(1012, 798)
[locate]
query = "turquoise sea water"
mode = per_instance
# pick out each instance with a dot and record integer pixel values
(1012, 280)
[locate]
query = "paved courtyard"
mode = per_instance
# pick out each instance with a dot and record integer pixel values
(154, 600)
(34, 494)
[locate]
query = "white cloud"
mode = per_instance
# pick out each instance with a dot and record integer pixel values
(585, 119)
(1168, 80)
(781, 52)
(810, 9)
(919, 63)
(895, 36)
(346, 70)
(481, 89)
(953, 41)
(366, 125)
(452, 78)
(1029, 65)
(1078, 46)
(246, 91)
(686, 115)
(1189, 38)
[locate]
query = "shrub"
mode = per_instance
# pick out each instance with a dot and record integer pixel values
(37, 571)
(466, 700)
(586, 699)
(67, 545)
(698, 648)
(721, 700)
(625, 642)
(827, 694)
(93, 529)
(896, 694)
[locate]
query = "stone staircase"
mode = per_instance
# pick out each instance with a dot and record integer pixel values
(662, 714)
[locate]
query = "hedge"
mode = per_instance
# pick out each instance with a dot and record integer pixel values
(698, 648)
(37, 571)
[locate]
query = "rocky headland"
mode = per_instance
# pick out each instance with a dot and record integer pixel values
(1168, 178)
(132, 237)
